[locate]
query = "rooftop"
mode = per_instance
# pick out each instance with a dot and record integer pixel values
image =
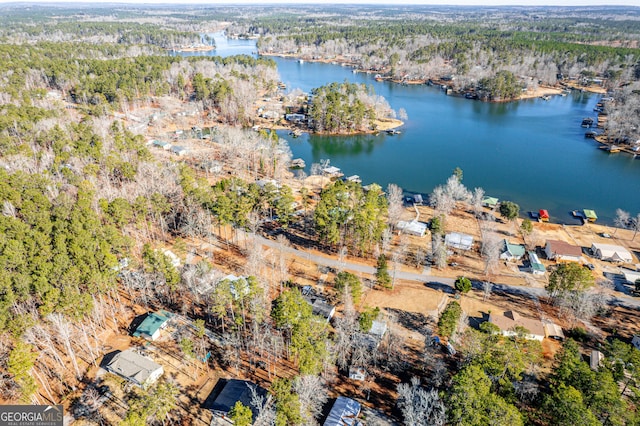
(563, 248)
(343, 413)
(152, 323)
(227, 392)
(510, 319)
(515, 249)
(133, 366)
(457, 240)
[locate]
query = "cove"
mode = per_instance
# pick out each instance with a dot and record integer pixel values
(532, 152)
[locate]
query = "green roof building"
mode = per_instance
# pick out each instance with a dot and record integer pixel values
(512, 251)
(152, 324)
(590, 215)
(490, 202)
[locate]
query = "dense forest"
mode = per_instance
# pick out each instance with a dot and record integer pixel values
(91, 207)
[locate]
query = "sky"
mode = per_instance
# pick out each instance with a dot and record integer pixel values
(377, 2)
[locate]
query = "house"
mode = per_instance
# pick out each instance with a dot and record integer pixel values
(595, 359)
(553, 331)
(294, 117)
(134, 367)
(459, 241)
(508, 321)
(179, 150)
(152, 324)
(413, 228)
(237, 285)
(631, 276)
(562, 252)
(490, 202)
(175, 260)
(262, 183)
(319, 306)
(611, 253)
(344, 412)
(227, 392)
(357, 373)
(332, 171)
(535, 266)
(378, 329)
(161, 144)
(512, 252)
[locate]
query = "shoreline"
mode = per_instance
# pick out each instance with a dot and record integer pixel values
(382, 125)
(541, 91)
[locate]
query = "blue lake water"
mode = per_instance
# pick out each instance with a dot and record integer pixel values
(532, 152)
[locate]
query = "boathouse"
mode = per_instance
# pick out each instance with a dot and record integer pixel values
(543, 215)
(590, 215)
(490, 202)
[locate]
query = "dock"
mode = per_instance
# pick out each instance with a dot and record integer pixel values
(297, 163)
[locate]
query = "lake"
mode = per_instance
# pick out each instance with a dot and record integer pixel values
(532, 152)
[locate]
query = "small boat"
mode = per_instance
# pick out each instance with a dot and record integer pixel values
(378, 77)
(301, 61)
(393, 132)
(296, 133)
(614, 148)
(545, 97)
(591, 134)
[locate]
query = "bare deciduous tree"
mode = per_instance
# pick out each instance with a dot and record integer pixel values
(420, 407)
(621, 220)
(487, 286)
(312, 393)
(394, 196)
(476, 200)
(439, 252)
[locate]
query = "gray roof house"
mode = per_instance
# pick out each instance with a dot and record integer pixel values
(134, 367)
(344, 412)
(227, 392)
(458, 240)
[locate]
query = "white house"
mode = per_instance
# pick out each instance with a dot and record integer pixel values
(611, 253)
(458, 240)
(413, 227)
(536, 267)
(512, 252)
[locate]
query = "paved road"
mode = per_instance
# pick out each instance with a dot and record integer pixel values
(440, 283)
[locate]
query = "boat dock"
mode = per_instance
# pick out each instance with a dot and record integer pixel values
(297, 163)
